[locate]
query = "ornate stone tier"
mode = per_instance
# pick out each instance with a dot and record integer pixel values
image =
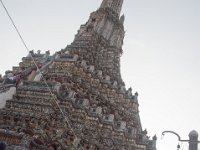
(91, 94)
(39, 86)
(15, 140)
(32, 111)
(29, 63)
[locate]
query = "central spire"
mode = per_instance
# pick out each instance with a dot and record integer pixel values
(99, 41)
(115, 5)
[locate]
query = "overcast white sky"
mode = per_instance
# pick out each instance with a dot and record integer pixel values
(161, 58)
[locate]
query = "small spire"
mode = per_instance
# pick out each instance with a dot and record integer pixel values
(155, 137)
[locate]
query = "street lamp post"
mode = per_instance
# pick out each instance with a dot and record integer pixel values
(193, 139)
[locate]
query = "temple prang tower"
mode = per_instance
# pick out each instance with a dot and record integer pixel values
(96, 111)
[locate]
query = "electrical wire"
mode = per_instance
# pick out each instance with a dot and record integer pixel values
(25, 45)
